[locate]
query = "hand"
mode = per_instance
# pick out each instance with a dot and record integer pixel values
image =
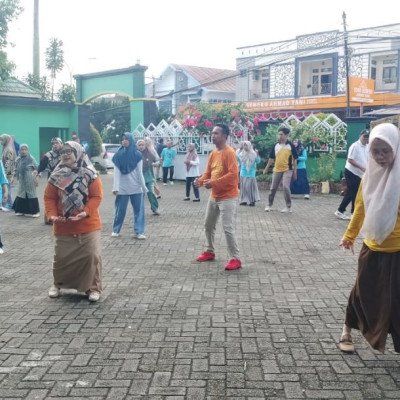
(5, 196)
(58, 220)
(115, 192)
(196, 183)
(265, 172)
(294, 176)
(346, 244)
(78, 217)
(11, 179)
(207, 184)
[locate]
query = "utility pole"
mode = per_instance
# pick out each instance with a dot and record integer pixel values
(347, 66)
(36, 53)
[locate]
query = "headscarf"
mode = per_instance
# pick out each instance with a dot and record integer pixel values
(299, 147)
(127, 158)
(247, 157)
(149, 154)
(53, 156)
(23, 163)
(381, 187)
(191, 156)
(8, 148)
(74, 180)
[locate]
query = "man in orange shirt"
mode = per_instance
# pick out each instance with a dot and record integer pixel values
(222, 177)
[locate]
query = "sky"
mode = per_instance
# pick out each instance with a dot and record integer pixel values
(99, 35)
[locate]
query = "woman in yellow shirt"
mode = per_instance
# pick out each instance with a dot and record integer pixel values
(374, 302)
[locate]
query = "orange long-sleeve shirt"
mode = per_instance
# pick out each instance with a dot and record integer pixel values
(222, 169)
(53, 207)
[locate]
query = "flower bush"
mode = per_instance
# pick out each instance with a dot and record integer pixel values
(202, 117)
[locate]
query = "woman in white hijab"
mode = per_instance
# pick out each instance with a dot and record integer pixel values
(374, 302)
(248, 160)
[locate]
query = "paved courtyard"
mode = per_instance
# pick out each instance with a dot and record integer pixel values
(168, 327)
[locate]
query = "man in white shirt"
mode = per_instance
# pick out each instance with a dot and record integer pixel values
(354, 169)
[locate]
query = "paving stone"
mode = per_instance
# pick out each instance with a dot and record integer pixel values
(168, 327)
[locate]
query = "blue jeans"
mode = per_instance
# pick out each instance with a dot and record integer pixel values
(121, 203)
(9, 203)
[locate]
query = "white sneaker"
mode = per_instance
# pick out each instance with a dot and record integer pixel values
(341, 215)
(1, 250)
(307, 196)
(94, 296)
(115, 234)
(18, 214)
(37, 215)
(287, 210)
(164, 184)
(267, 209)
(54, 292)
(171, 182)
(5, 209)
(140, 236)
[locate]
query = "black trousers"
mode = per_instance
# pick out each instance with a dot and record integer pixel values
(353, 183)
(165, 173)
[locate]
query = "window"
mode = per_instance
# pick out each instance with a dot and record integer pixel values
(389, 74)
(243, 73)
(256, 75)
(265, 81)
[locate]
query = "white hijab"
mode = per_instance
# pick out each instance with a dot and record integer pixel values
(247, 157)
(381, 187)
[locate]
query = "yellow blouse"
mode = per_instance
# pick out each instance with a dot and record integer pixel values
(390, 245)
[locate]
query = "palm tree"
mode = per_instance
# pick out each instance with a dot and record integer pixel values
(54, 60)
(36, 57)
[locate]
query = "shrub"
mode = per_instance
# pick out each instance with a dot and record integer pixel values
(95, 142)
(325, 168)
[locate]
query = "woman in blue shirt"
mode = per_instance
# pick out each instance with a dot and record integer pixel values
(4, 193)
(300, 185)
(248, 159)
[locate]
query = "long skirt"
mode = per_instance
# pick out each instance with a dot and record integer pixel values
(374, 302)
(77, 262)
(248, 190)
(300, 185)
(26, 206)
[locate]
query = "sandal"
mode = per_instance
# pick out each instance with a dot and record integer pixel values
(346, 343)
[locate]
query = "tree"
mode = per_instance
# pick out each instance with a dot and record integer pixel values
(66, 93)
(54, 60)
(39, 83)
(111, 117)
(9, 9)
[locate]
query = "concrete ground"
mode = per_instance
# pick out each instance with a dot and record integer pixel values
(168, 327)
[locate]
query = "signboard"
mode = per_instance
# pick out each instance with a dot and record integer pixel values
(361, 89)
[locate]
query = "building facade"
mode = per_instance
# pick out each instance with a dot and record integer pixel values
(182, 84)
(309, 73)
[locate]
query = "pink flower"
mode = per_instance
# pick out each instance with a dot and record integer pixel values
(239, 133)
(208, 124)
(237, 119)
(234, 113)
(315, 140)
(323, 147)
(258, 131)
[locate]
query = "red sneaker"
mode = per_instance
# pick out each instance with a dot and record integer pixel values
(206, 256)
(234, 263)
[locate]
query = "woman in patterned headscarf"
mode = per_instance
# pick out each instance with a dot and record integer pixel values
(8, 157)
(26, 202)
(72, 198)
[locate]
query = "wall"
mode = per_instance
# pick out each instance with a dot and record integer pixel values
(25, 122)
